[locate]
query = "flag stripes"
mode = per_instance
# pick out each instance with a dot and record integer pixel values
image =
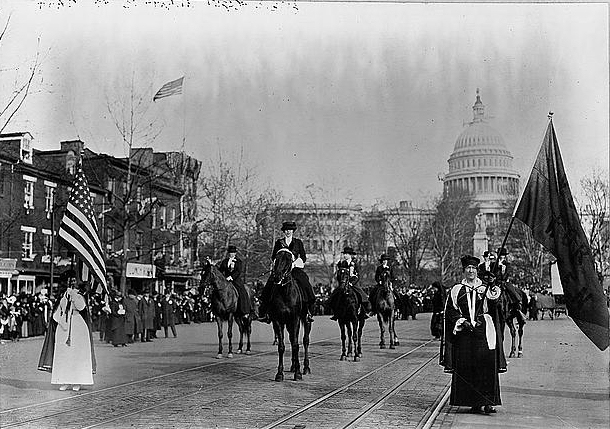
(170, 88)
(78, 228)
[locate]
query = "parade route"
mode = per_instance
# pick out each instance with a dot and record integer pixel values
(561, 382)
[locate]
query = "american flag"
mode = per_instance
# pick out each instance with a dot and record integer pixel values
(170, 88)
(79, 229)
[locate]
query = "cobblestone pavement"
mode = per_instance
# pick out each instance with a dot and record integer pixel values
(179, 383)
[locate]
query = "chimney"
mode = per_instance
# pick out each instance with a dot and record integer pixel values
(75, 146)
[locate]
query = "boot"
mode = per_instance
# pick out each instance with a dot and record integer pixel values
(309, 317)
(333, 317)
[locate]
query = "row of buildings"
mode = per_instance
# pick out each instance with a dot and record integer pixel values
(146, 209)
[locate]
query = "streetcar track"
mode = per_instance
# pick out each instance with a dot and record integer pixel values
(345, 387)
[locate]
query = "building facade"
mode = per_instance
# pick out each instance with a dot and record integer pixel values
(482, 166)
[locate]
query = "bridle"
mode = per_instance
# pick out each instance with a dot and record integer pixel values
(286, 273)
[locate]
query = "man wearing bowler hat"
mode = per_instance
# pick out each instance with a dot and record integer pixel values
(299, 257)
(232, 268)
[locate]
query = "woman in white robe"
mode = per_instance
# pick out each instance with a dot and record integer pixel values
(72, 358)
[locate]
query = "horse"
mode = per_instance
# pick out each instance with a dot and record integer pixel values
(510, 314)
(287, 309)
(223, 301)
(347, 317)
(384, 306)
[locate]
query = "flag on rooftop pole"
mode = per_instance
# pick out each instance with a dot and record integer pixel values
(170, 88)
(79, 229)
(547, 208)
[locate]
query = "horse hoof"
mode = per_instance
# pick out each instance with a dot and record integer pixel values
(382, 346)
(520, 354)
(356, 359)
(219, 356)
(298, 376)
(396, 343)
(306, 371)
(392, 346)
(279, 377)
(342, 357)
(512, 355)
(248, 352)
(230, 355)
(239, 352)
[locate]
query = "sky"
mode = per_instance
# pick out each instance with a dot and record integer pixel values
(366, 99)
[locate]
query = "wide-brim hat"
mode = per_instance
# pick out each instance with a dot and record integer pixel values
(384, 257)
(348, 251)
(289, 225)
(232, 249)
(502, 251)
(469, 260)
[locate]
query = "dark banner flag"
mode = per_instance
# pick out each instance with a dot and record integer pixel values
(547, 208)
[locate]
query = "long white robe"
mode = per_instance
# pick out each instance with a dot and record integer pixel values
(72, 364)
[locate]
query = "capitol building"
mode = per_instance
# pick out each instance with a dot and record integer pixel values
(482, 166)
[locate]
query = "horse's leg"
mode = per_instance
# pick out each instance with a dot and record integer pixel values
(354, 339)
(342, 326)
(294, 342)
(230, 335)
(513, 333)
(240, 327)
(279, 335)
(248, 325)
(520, 351)
(348, 325)
(381, 330)
(306, 332)
(219, 326)
(360, 327)
(391, 329)
(396, 342)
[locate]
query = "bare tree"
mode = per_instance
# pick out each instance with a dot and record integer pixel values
(22, 77)
(451, 233)
(596, 219)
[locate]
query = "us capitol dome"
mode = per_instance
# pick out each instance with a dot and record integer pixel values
(482, 166)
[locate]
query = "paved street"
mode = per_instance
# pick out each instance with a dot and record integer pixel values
(561, 382)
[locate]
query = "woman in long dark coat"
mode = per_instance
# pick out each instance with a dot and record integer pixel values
(132, 316)
(147, 309)
(117, 320)
(473, 337)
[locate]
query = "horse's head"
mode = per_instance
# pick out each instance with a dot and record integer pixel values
(282, 266)
(343, 277)
(207, 275)
(386, 279)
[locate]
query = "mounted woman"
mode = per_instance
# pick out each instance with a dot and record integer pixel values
(346, 313)
(287, 309)
(382, 301)
(223, 300)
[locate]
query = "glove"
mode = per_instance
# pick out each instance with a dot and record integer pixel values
(467, 326)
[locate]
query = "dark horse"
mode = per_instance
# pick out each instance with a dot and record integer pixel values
(383, 305)
(510, 314)
(223, 299)
(347, 317)
(287, 309)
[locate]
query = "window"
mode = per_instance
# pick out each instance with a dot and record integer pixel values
(162, 218)
(174, 257)
(49, 197)
(110, 239)
(26, 150)
(46, 243)
(138, 243)
(173, 217)
(153, 213)
(28, 192)
(28, 239)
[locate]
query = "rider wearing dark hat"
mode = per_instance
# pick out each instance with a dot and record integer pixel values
(348, 262)
(232, 267)
(384, 266)
(299, 256)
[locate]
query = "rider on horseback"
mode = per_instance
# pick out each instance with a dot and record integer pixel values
(349, 263)
(383, 267)
(298, 250)
(231, 267)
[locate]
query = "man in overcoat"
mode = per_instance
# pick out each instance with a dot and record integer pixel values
(169, 307)
(132, 316)
(147, 309)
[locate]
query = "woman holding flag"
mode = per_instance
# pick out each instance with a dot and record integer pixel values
(67, 351)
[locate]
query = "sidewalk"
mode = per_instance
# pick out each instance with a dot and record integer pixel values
(562, 381)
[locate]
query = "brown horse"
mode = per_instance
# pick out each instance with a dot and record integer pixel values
(347, 317)
(383, 306)
(223, 300)
(287, 309)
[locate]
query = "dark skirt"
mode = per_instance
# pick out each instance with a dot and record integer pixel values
(475, 380)
(436, 325)
(118, 330)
